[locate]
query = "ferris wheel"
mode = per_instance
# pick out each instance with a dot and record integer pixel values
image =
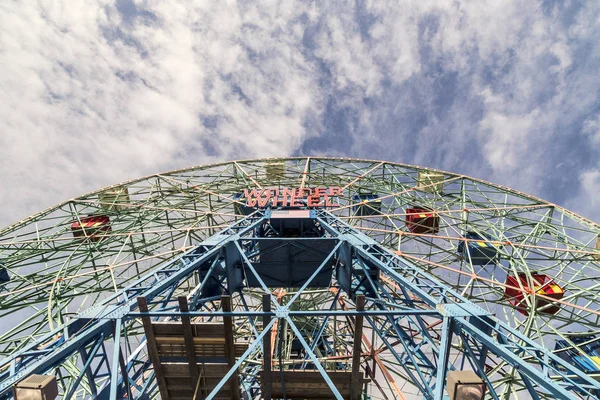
(530, 265)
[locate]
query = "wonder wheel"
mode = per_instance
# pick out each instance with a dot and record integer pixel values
(503, 256)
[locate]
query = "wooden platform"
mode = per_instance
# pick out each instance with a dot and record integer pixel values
(179, 382)
(308, 384)
(311, 384)
(191, 358)
(208, 339)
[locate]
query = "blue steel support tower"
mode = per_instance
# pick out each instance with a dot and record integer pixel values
(260, 252)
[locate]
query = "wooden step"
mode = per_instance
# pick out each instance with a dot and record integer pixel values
(309, 384)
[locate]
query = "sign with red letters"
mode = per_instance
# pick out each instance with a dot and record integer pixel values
(293, 197)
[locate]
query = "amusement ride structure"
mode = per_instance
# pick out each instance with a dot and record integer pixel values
(301, 278)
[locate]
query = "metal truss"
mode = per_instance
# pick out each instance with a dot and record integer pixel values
(69, 301)
(404, 317)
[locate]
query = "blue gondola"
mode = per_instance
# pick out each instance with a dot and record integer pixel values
(4, 277)
(588, 363)
(479, 248)
(589, 345)
(366, 204)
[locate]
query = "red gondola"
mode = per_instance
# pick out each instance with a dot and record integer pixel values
(93, 227)
(543, 285)
(422, 220)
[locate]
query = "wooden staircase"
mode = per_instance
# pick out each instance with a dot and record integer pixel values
(190, 358)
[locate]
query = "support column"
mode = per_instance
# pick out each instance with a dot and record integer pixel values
(442, 364)
(153, 350)
(189, 341)
(234, 381)
(267, 362)
(356, 382)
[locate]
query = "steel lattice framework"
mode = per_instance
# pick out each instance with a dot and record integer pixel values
(430, 306)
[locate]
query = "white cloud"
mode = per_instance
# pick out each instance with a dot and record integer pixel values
(92, 94)
(591, 128)
(524, 79)
(507, 142)
(91, 97)
(587, 200)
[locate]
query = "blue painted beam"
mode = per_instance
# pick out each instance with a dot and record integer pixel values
(435, 294)
(423, 296)
(99, 320)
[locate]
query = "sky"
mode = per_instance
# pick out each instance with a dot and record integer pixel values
(97, 92)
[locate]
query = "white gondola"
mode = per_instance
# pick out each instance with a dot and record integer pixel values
(115, 199)
(275, 170)
(430, 182)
